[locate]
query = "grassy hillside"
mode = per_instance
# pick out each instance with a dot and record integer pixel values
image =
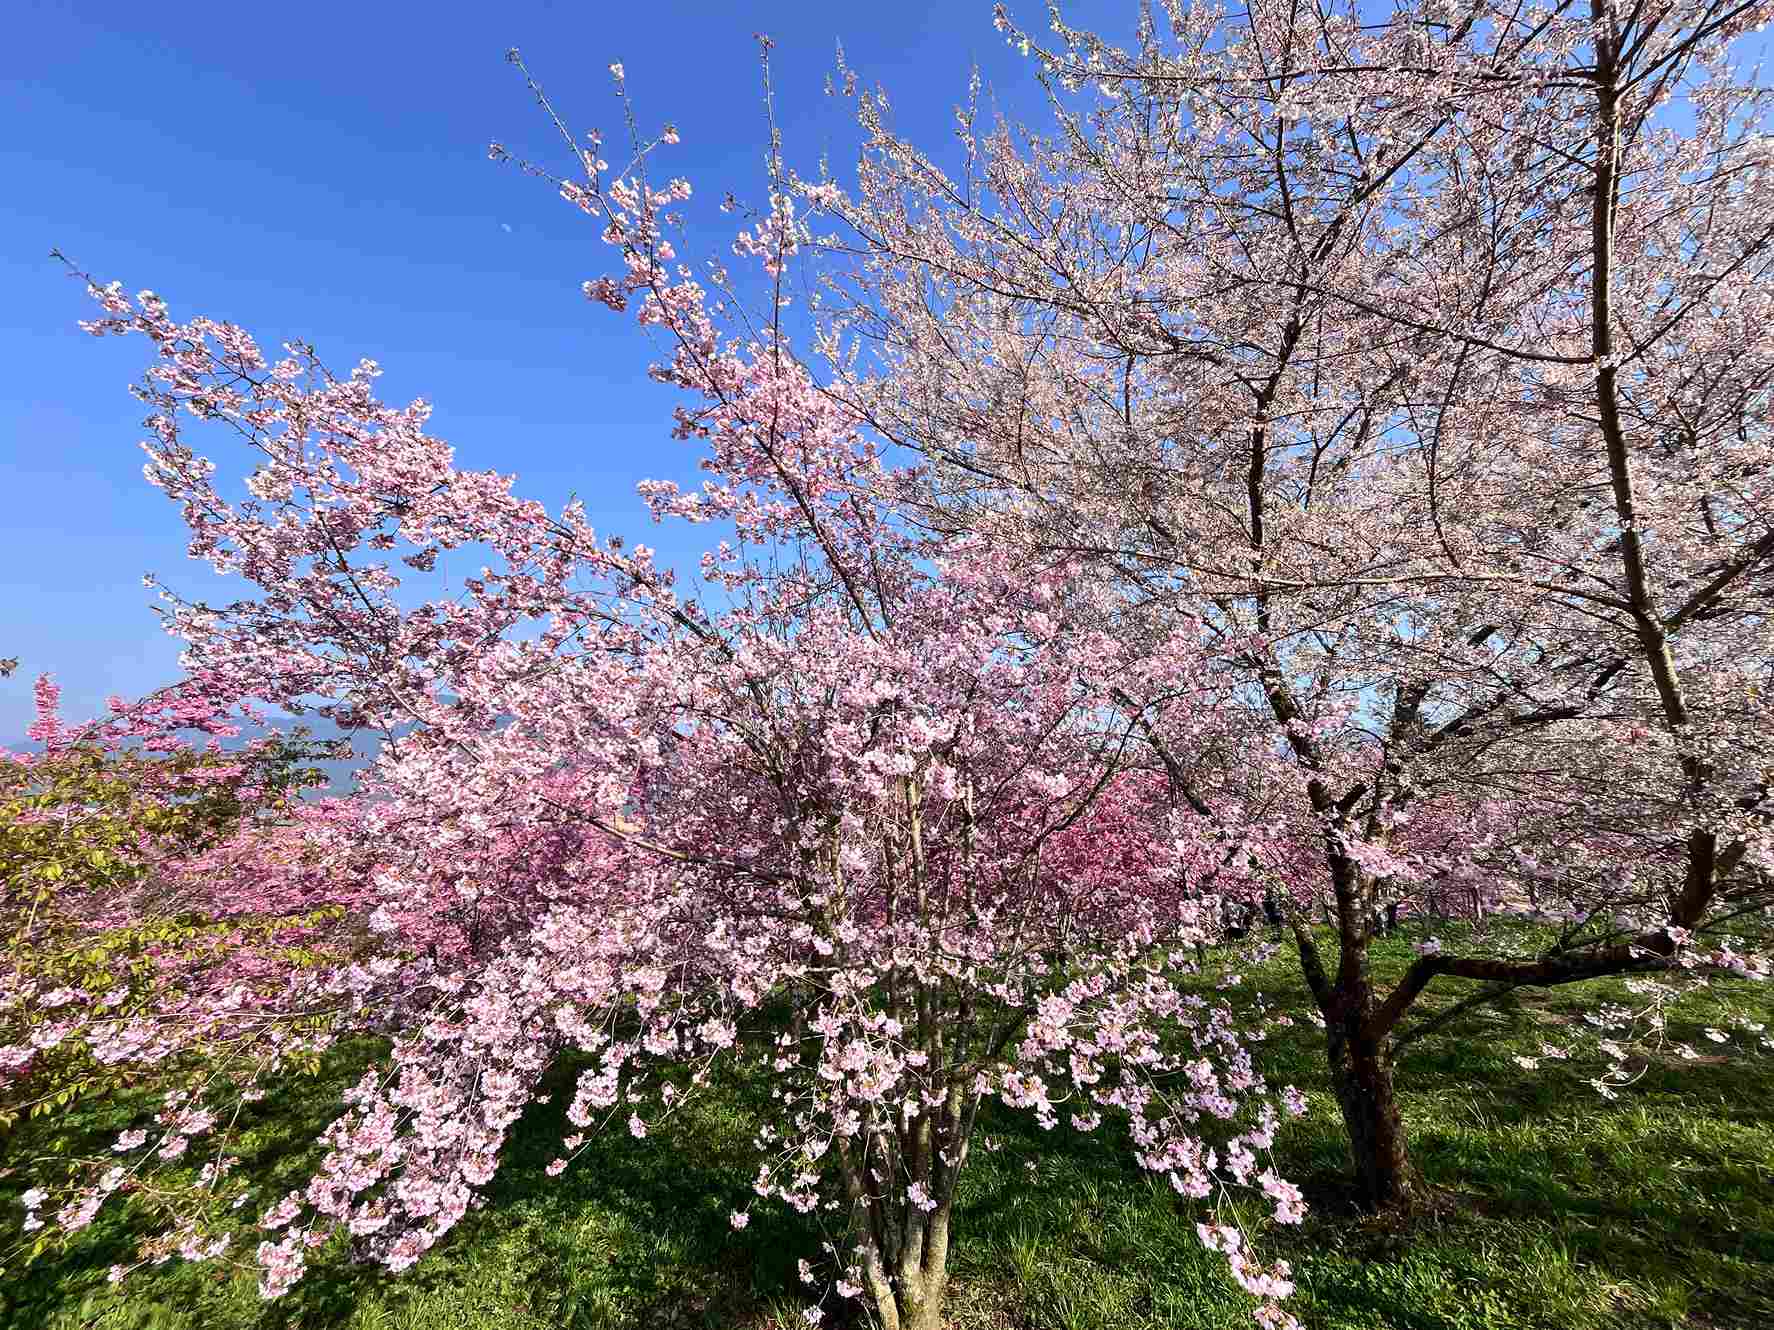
(1555, 1209)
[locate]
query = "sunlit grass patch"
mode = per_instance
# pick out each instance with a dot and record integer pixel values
(1554, 1209)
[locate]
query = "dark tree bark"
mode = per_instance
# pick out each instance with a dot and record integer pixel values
(1361, 1076)
(1357, 1037)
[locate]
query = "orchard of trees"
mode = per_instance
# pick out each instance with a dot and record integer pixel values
(1323, 476)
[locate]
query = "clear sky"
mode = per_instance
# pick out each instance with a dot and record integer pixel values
(319, 171)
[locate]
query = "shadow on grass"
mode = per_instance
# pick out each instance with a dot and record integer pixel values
(634, 1233)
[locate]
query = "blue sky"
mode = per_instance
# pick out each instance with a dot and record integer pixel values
(320, 172)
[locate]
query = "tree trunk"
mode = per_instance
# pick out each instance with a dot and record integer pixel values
(1357, 1038)
(923, 1283)
(911, 1297)
(1361, 1075)
(902, 1248)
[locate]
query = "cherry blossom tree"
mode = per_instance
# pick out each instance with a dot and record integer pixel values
(1343, 479)
(1417, 361)
(870, 827)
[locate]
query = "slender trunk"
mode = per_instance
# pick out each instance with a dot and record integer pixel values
(880, 1288)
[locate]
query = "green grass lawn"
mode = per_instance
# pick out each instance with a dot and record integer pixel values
(1556, 1210)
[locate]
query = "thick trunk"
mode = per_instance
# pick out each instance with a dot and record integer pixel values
(923, 1283)
(1361, 1075)
(911, 1298)
(903, 1248)
(1357, 1034)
